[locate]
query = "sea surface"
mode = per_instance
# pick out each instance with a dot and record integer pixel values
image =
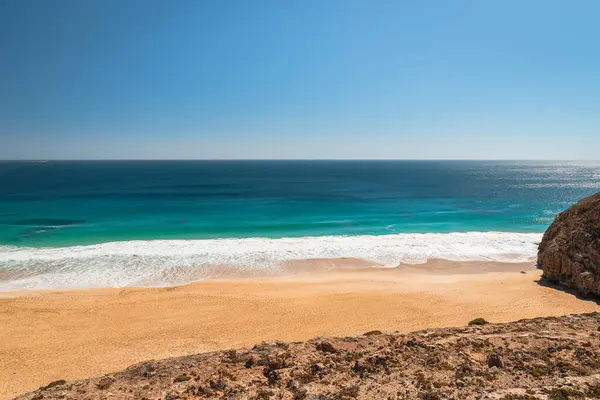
(67, 224)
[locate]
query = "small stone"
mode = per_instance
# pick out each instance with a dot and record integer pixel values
(494, 360)
(172, 396)
(219, 384)
(291, 384)
(182, 378)
(204, 391)
(326, 347)
(104, 383)
(53, 383)
(272, 376)
(250, 362)
(277, 360)
(316, 367)
(372, 333)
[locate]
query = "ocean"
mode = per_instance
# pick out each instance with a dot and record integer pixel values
(79, 224)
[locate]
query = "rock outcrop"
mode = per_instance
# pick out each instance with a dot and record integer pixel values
(555, 358)
(569, 252)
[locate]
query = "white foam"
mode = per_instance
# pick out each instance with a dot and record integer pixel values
(169, 262)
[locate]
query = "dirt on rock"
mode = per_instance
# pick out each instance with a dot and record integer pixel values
(543, 358)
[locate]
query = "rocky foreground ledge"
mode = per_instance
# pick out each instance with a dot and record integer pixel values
(543, 358)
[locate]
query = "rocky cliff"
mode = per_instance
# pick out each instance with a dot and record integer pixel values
(569, 252)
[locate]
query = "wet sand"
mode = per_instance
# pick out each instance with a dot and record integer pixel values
(50, 335)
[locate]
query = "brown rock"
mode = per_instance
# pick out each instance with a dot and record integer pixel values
(182, 378)
(494, 360)
(104, 383)
(250, 362)
(278, 360)
(326, 347)
(58, 383)
(272, 376)
(218, 384)
(172, 396)
(569, 252)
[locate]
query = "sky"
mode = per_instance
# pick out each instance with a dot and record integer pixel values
(323, 79)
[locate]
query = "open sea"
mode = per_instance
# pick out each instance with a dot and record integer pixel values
(77, 224)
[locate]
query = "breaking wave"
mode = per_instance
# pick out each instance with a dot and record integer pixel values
(172, 262)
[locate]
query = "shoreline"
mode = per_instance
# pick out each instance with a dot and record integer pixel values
(161, 263)
(301, 268)
(73, 334)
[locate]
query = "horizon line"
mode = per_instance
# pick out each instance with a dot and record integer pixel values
(292, 159)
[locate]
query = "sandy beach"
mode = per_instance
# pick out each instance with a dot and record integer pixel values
(50, 335)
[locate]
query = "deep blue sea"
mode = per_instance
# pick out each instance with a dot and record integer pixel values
(116, 223)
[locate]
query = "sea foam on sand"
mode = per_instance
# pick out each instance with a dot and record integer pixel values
(171, 262)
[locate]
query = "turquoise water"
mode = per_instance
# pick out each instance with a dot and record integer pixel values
(69, 203)
(72, 224)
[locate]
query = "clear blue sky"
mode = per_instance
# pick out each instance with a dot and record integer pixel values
(300, 79)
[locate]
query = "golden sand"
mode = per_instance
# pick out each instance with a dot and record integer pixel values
(50, 335)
